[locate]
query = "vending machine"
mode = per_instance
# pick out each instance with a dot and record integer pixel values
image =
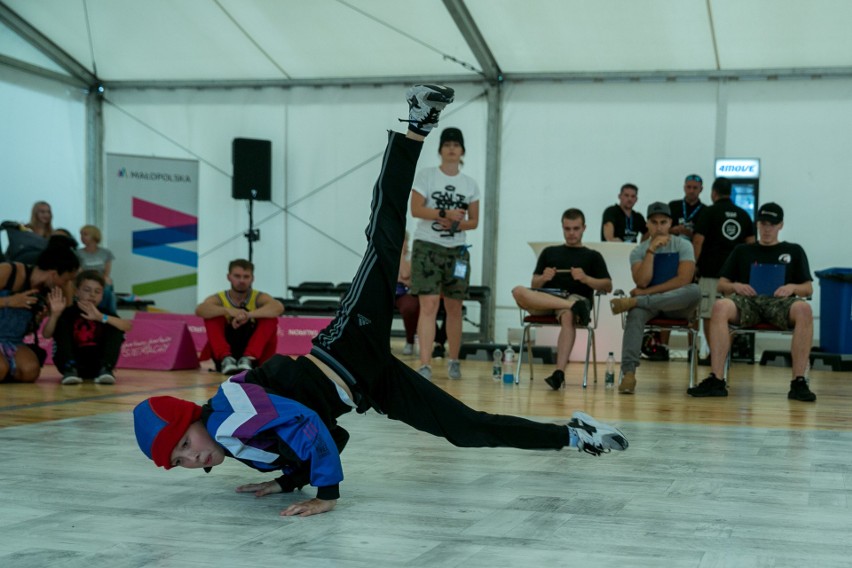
(744, 174)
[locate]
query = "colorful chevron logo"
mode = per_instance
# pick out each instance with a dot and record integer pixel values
(177, 227)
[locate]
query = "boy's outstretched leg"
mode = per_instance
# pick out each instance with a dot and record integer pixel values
(358, 339)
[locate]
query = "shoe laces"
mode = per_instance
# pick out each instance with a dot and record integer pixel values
(591, 448)
(430, 118)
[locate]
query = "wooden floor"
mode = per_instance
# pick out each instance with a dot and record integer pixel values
(751, 480)
(757, 395)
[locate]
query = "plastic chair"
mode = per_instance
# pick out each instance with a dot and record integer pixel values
(757, 328)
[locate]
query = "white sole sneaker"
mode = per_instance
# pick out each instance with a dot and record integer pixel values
(105, 379)
(72, 380)
(596, 437)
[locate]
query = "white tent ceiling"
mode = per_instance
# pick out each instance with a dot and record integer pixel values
(209, 42)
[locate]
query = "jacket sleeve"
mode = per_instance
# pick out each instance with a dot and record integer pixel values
(311, 441)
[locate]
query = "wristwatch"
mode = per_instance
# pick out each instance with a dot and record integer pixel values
(442, 213)
(105, 318)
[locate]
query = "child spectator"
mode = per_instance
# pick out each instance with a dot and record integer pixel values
(87, 341)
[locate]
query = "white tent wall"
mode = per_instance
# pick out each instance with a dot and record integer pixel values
(564, 144)
(326, 148)
(42, 135)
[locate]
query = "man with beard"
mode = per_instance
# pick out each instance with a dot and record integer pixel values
(240, 322)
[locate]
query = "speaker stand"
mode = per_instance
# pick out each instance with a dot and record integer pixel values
(252, 234)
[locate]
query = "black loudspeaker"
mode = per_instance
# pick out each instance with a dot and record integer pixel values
(252, 161)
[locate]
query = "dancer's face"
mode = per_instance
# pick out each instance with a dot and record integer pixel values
(197, 449)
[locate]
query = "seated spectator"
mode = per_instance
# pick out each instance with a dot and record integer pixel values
(563, 284)
(95, 257)
(87, 341)
(663, 268)
(241, 324)
(41, 219)
(408, 305)
(23, 298)
(620, 222)
(767, 282)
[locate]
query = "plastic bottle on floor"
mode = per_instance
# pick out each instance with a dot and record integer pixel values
(508, 366)
(497, 368)
(609, 379)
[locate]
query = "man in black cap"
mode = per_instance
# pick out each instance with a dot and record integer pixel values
(663, 267)
(766, 282)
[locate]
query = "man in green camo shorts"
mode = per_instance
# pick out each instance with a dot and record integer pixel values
(766, 282)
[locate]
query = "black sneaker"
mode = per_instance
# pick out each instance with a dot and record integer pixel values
(105, 377)
(438, 351)
(425, 103)
(556, 380)
(711, 386)
(71, 377)
(582, 312)
(799, 390)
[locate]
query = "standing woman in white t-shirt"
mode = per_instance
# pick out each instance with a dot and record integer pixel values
(446, 204)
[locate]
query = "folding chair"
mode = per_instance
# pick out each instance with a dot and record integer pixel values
(662, 323)
(529, 321)
(757, 328)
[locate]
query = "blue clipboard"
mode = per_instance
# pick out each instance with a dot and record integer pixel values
(766, 278)
(665, 267)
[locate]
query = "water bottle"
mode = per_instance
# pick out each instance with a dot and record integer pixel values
(609, 379)
(497, 369)
(508, 366)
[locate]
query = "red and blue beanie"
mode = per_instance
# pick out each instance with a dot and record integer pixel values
(160, 422)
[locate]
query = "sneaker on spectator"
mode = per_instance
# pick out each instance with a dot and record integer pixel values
(438, 351)
(408, 349)
(105, 377)
(596, 437)
(70, 377)
(556, 380)
(245, 364)
(711, 386)
(799, 390)
(229, 366)
(425, 371)
(454, 369)
(425, 103)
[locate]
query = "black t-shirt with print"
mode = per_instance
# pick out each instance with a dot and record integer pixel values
(739, 263)
(723, 226)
